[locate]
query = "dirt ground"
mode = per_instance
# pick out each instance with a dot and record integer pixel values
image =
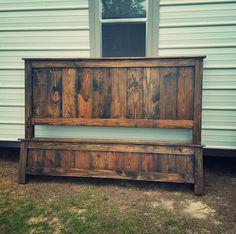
(128, 206)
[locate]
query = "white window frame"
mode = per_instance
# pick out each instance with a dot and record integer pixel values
(95, 27)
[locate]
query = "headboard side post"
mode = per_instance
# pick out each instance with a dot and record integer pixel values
(197, 114)
(29, 128)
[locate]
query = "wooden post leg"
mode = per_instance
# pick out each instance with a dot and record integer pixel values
(22, 163)
(199, 183)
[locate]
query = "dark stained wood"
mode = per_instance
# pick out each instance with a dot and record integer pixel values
(29, 128)
(135, 93)
(115, 147)
(168, 93)
(185, 93)
(121, 92)
(199, 182)
(114, 63)
(197, 102)
(101, 83)
(118, 92)
(188, 124)
(85, 93)
(151, 93)
(69, 93)
(54, 86)
(22, 164)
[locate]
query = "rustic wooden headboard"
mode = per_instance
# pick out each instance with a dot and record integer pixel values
(121, 92)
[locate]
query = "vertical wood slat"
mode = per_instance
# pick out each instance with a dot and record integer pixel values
(101, 87)
(151, 93)
(29, 128)
(135, 93)
(85, 93)
(197, 108)
(54, 83)
(185, 93)
(41, 95)
(69, 102)
(118, 103)
(168, 93)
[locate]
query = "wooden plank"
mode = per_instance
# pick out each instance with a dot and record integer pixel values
(40, 93)
(135, 93)
(197, 115)
(29, 128)
(151, 93)
(54, 83)
(67, 159)
(85, 93)
(199, 182)
(188, 124)
(152, 176)
(111, 141)
(116, 147)
(168, 93)
(185, 93)
(101, 83)
(118, 104)
(114, 63)
(22, 164)
(69, 93)
(49, 158)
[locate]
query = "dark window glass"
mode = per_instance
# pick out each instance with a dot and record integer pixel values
(123, 39)
(116, 9)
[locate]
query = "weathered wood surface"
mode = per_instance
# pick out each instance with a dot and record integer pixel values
(159, 167)
(129, 97)
(129, 92)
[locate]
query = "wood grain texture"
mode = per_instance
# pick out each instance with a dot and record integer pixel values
(135, 93)
(118, 103)
(69, 93)
(143, 123)
(101, 88)
(85, 93)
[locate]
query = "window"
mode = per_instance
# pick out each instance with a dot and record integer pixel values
(123, 28)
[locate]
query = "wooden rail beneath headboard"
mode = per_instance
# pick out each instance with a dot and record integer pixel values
(157, 92)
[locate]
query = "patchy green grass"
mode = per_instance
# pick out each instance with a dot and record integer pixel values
(89, 211)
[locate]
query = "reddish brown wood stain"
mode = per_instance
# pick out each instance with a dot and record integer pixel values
(144, 92)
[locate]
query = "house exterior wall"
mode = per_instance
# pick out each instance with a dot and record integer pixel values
(56, 28)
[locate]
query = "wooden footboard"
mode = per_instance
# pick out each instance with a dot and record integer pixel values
(113, 159)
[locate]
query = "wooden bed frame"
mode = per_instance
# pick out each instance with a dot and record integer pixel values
(157, 92)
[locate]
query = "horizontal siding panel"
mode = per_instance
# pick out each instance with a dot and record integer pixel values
(198, 13)
(219, 99)
(198, 37)
(114, 133)
(10, 59)
(6, 4)
(216, 57)
(12, 97)
(221, 139)
(219, 79)
(44, 39)
(11, 79)
(12, 115)
(38, 18)
(214, 119)
(10, 132)
(193, 2)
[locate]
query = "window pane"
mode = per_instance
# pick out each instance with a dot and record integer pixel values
(123, 39)
(115, 9)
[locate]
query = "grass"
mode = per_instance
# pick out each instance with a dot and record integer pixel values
(89, 211)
